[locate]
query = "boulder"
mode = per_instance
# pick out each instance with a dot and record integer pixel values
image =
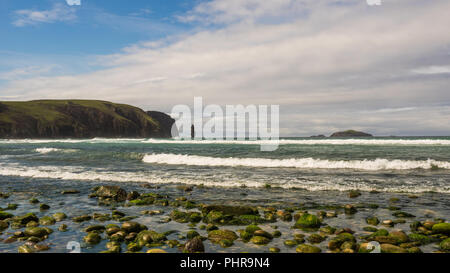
(445, 245)
(231, 210)
(442, 228)
(216, 236)
(304, 248)
(112, 192)
(308, 221)
(388, 248)
(194, 245)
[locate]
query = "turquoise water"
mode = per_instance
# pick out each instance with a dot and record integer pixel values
(383, 164)
(312, 173)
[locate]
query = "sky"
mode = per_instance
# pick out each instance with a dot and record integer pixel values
(331, 65)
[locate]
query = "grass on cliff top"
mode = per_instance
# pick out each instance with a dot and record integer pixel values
(48, 111)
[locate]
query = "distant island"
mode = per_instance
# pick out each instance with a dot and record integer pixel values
(80, 119)
(350, 133)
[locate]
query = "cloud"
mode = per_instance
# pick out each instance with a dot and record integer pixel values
(26, 72)
(58, 13)
(431, 70)
(323, 62)
(73, 2)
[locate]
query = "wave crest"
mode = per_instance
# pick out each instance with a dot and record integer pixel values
(302, 163)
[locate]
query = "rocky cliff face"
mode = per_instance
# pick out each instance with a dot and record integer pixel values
(165, 121)
(80, 119)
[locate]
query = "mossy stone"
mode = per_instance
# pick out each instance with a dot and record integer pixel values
(97, 228)
(131, 226)
(82, 218)
(192, 234)
(260, 240)
(374, 221)
(445, 245)
(5, 215)
(59, 216)
(216, 236)
(442, 228)
(290, 243)
(402, 214)
(274, 250)
(420, 238)
(399, 236)
(156, 251)
(36, 232)
(25, 249)
(315, 239)
(304, 248)
(47, 221)
(44, 207)
(225, 243)
(389, 248)
(3, 225)
(308, 221)
(92, 238)
(62, 228)
(133, 247)
(252, 228)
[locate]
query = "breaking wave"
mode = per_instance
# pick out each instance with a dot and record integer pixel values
(303, 163)
(53, 150)
(95, 175)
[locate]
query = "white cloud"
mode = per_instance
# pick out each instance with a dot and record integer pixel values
(26, 72)
(73, 2)
(325, 64)
(431, 70)
(58, 13)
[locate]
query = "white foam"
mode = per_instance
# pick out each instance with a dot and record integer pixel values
(303, 163)
(46, 150)
(225, 181)
(54, 150)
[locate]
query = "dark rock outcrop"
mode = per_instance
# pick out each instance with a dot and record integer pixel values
(165, 121)
(350, 133)
(318, 136)
(80, 119)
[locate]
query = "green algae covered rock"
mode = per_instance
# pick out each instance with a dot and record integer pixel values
(304, 248)
(445, 245)
(374, 221)
(442, 228)
(5, 215)
(47, 221)
(216, 236)
(307, 221)
(388, 248)
(92, 238)
(59, 216)
(36, 232)
(260, 240)
(231, 210)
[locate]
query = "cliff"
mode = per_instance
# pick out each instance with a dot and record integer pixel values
(350, 133)
(80, 119)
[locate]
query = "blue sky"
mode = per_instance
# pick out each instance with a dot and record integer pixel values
(329, 64)
(98, 27)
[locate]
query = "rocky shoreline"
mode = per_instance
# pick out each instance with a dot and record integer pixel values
(210, 227)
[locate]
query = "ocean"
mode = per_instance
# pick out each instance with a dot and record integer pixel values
(409, 164)
(313, 173)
